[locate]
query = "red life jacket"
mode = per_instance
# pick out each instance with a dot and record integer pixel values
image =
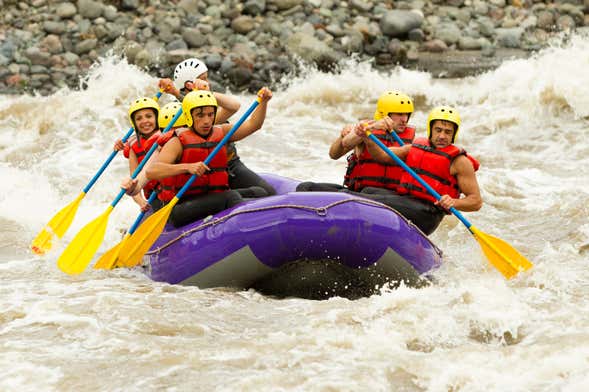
(364, 171)
(140, 152)
(195, 148)
(433, 165)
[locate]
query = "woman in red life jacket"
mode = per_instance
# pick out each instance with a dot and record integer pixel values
(447, 168)
(166, 114)
(143, 115)
(183, 154)
(191, 75)
(393, 110)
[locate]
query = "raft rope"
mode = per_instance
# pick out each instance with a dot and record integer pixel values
(321, 211)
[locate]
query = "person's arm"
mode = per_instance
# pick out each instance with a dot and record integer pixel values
(256, 120)
(337, 149)
(167, 85)
(380, 156)
(467, 181)
(164, 166)
(119, 145)
(228, 106)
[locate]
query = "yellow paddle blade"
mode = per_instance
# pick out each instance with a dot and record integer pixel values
(145, 236)
(109, 259)
(76, 257)
(58, 225)
(502, 255)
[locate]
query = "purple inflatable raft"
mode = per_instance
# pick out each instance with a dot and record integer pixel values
(304, 244)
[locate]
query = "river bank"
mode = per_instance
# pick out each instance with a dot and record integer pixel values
(46, 45)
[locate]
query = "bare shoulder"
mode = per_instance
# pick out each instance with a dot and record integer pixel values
(461, 165)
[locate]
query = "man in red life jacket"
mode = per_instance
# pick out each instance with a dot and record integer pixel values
(184, 151)
(192, 74)
(445, 167)
(393, 110)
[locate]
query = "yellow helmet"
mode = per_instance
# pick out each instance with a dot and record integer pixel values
(142, 103)
(446, 113)
(167, 114)
(197, 99)
(393, 102)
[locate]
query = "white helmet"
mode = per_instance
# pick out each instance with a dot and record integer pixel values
(187, 71)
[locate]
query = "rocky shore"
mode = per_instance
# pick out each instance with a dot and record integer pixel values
(48, 44)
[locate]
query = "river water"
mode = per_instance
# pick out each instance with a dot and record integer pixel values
(471, 331)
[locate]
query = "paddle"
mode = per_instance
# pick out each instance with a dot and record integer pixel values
(59, 224)
(140, 242)
(79, 252)
(501, 255)
(109, 259)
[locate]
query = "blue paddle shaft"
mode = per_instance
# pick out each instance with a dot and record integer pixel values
(111, 156)
(142, 214)
(397, 138)
(431, 190)
(146, 159)
(234, 128)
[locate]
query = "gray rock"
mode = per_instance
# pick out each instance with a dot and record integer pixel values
(7, 47)
(190, 6)
(176, 44)
(70, 58)
(101, 32)
(85, 46)
(416, 35)
(565, 22)
(205, 28)
(435, 46)
(66, 10)
(397, 23)
(361, 5)
(110, 13)
(226, 66)
(285, 4)
(377, 45)
(240, 76)
(213, 61)
(509, 38)
(312, 50)
(245, 51)
(254, 7)
(397, 50)
(53, 27)
(353, 41)
(142, 59)
(84, 26)
(37, 57)
(4, 61)
(335, 30)
(448, 32)
(130, 51)
(213, 11)
(38, 69)
(52, 43)
(89, 8)
(194, 38)
(469, 43)
(114, 31)
(485, 26)
(480, 7)
(165, 33)
(129, 5)
(243, 24)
